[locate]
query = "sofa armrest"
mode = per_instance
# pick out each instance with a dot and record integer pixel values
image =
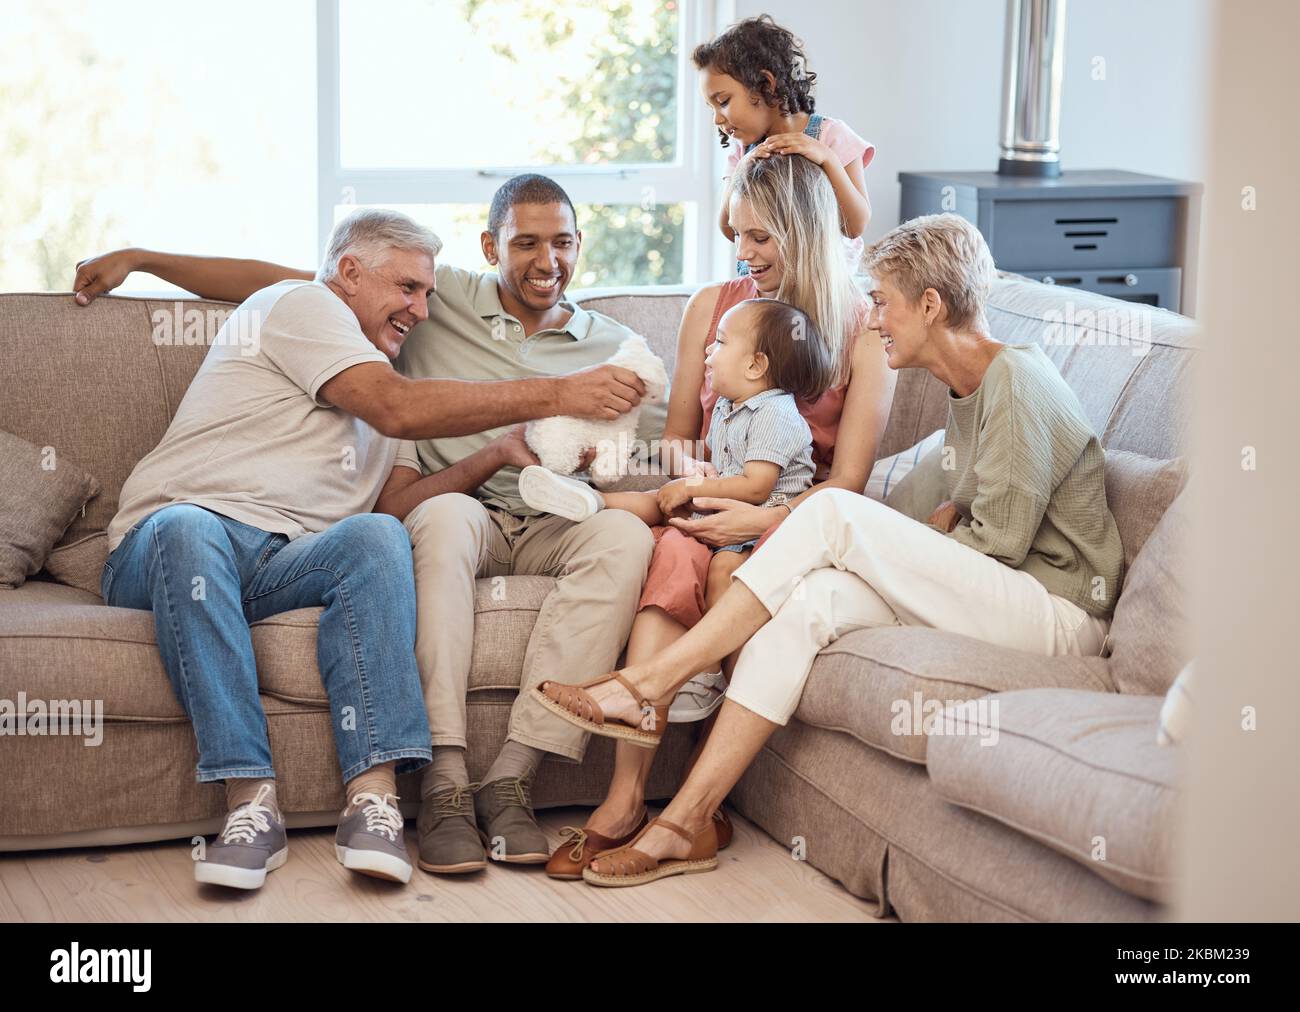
(1080, 772)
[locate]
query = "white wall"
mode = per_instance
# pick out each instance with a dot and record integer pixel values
(922, 80)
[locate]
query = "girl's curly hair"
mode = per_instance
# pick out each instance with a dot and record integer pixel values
(754, 45)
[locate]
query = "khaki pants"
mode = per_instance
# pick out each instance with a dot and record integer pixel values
(600, 565)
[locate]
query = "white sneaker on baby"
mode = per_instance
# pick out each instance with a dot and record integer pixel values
(548, 492)
(698, 698)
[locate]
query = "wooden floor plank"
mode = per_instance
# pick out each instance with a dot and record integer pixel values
(757, 880)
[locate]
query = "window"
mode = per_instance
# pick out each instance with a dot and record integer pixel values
(251, 133)
(154, 124)
(598, 94)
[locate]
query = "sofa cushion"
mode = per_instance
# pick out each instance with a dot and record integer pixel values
(1138, 491)
(80, 564)
(1149, 632)
(92, 381)
(1079, 771)
(40, 493)
(1176, 710)
(653, 311)
(58, 642)
(922, 488)
(880, 827)
(888, 472)
(867, 682)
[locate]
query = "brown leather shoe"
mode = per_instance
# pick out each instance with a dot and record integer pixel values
(723, 827)
(628, 866)
(575, 704)
(580, 846)
(504, 809)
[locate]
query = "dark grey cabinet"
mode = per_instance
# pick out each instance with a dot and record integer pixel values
(1124, 234)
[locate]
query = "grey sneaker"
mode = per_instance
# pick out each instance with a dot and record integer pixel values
(450, 843)
(251, 843)
(548, 492)
(370, 838)
(698, 698)
(505, 815)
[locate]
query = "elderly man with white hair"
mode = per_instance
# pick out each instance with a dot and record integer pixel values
(257, 501)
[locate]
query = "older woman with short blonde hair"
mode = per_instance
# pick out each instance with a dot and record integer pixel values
(1022, 552)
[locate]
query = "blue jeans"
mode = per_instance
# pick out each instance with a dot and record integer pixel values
(206, 577)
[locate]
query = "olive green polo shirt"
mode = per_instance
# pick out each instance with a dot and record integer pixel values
(469, 336)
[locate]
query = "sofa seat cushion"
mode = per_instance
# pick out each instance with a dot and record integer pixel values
(868, 682)
(58, 642)
(1079, 771)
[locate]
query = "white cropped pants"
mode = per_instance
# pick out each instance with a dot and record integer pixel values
(843, 562)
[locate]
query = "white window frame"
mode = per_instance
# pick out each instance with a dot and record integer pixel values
(694, 178)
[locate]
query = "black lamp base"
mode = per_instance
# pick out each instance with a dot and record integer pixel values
(1026, 167)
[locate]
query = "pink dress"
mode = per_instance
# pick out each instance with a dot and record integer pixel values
(679, 567)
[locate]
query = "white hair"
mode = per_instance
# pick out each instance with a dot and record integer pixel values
(369, 234)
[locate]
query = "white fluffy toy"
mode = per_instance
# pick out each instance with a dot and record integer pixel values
(560, 441)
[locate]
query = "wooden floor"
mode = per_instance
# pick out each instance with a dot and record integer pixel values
(757, 880)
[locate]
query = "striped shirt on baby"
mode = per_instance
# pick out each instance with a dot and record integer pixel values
(768, 427)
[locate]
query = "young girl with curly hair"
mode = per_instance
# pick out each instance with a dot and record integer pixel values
(755, 79)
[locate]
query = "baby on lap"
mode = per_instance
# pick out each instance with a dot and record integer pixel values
(759, 444)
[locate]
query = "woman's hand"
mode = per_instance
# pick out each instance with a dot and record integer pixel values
(794, 144)
(735, 522)
(945, 517)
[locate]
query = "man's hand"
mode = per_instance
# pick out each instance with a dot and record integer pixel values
(101, 274)
(945, 517)
(514, 449)
(603, 391)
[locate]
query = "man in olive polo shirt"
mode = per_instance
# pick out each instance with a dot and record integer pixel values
(510, 325)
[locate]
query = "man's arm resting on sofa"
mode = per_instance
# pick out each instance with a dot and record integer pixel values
(221, 278)
(430, 408)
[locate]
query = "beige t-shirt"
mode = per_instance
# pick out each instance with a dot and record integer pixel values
(252, 439)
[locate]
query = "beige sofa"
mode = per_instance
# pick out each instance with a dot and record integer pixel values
(1068, 817)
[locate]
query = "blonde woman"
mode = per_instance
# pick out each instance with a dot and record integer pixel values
(786, 219)
(1024, 553)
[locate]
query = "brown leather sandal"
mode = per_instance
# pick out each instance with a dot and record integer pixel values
(580, 847)
(574, 704)
(628, 866)
(723, 827)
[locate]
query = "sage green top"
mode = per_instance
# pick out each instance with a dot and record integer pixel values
(469, 336)
(1025, 470)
